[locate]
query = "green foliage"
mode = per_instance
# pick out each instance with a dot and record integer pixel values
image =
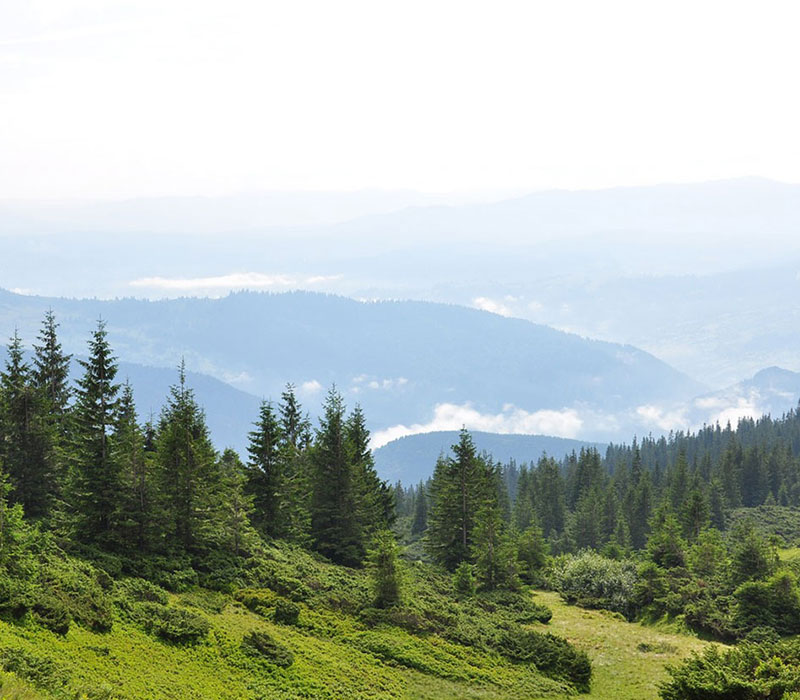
(385, 575)
(41, 671)
(261, 644)
(594, 581)
(552, 655)
(773, 603)
(464, 579)
(746, 672)
(286, 612)
(171, 624)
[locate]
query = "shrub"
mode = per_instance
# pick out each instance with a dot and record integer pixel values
(50, 612)
(464, 580)
(139, 590)
(591, 580)
(773, 603)
(260, 643)
(172, 624)
(745, 672)
(384, 566)
(41, 671)
(553, 656)
(286, 612)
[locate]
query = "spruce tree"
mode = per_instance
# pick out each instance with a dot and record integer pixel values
(51, 366)
(186, 465)
(458, 489)
(374, 497)
(295, 468)
(265, 479)
(335, 527)
(420, 521)
(136, 517)
(234, 507)
(96, 488)
(26, 449)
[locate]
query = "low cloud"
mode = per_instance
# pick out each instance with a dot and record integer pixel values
(226, 283)
(448, 416)
(654, 416)
(490, 305)
(310, 388)
(364, 382)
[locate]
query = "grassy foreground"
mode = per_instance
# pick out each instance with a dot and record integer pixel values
(628, 659)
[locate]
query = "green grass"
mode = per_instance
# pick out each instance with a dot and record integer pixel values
(628, 659)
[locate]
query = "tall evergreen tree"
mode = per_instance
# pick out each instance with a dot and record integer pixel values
(51, 366)
(136, 517)
(335, 527)
(458, 490)
(96, 488)
(265, 480)
(374, 497)
(26, 447)
(186, 465)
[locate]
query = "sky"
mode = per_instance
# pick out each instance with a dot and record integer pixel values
(126, 99)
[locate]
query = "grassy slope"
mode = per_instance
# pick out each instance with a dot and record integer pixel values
(628, 659)
(336, 654)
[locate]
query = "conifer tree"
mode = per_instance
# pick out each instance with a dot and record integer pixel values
(51, 367)
(234, 506)
(136, 517)
(26, 447)
(186, 464)
(96, 487)
(335, 528)
(458, 489)
(295, 468)
(420, 522)
(374, 497)
(265, 480)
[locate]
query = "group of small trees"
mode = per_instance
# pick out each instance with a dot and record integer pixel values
(79, 462)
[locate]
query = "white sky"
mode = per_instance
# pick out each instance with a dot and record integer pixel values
(116, 99)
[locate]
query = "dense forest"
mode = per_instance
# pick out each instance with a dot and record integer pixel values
(102, 518)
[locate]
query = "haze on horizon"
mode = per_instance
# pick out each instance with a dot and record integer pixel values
(153, 98)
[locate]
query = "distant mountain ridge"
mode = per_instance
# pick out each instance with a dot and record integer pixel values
(412, 458)
(398, 359)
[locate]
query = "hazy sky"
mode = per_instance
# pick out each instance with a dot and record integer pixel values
(121, 98)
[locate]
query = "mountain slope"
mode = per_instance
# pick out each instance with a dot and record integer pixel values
(398, 359)
(413, 457)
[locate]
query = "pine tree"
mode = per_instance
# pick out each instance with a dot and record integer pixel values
(234, 507)
(385, 574)
(136, 517)
(295, 467)
(96, 488)
(26, 448)
(186, 465)
(458, 489)
(420, 522)
(51, 378)
(51, 366)
(374, 498)
(265, 480)
(335, 527)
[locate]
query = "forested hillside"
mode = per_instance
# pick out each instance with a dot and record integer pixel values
(138, 562)
(295, 571)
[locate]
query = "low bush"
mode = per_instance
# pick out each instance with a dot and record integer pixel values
(553, 656)
(50, 612)
(172, 624)
(594, 581)
(745, 672)
(286, 612)
(261, 644)
(40, 671)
